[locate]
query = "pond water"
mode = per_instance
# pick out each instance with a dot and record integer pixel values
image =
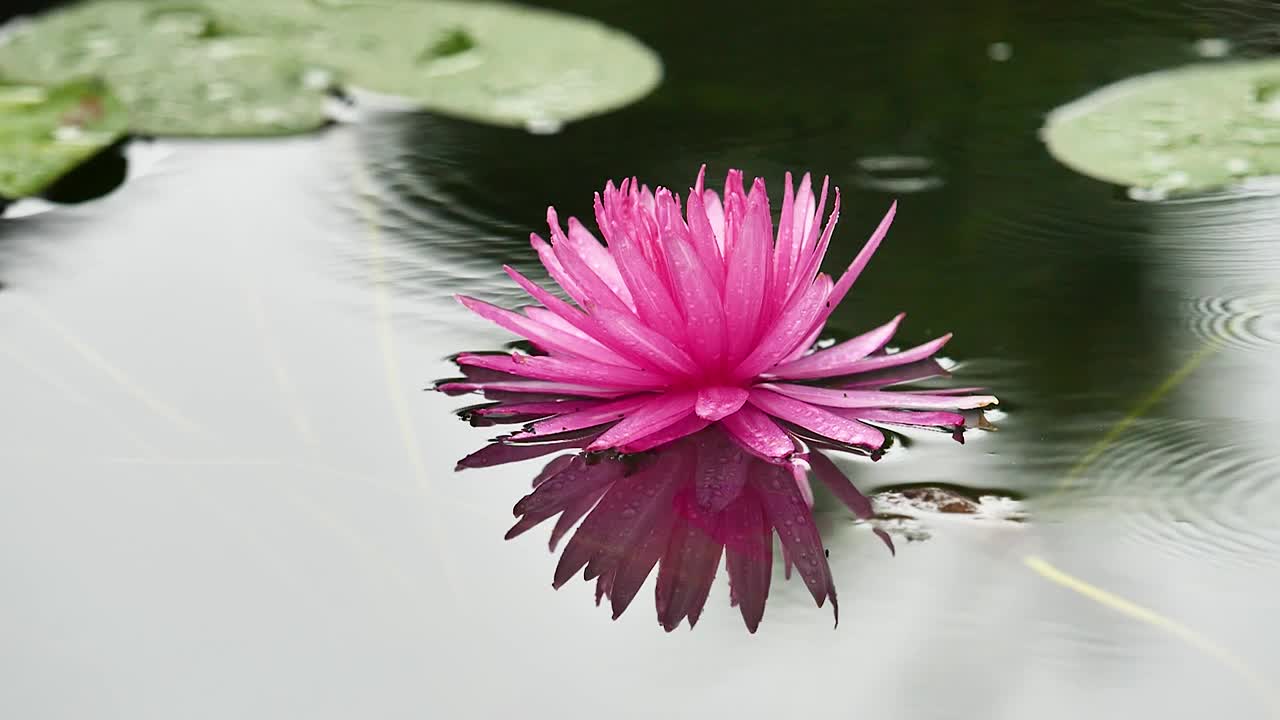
(225, 493)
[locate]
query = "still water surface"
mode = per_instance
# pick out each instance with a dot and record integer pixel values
(224, 493)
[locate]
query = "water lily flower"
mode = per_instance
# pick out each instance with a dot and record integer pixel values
(686, 361)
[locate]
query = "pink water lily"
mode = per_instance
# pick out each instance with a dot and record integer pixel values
(695, 328)
(706, 316)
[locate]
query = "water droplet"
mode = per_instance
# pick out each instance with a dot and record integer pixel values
(1000, 51)
(543, 125)
(1211, 47)
(897, 174)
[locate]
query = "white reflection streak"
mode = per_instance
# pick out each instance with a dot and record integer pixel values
(71, 393)
(391, 365)
(100, 363)
(275, 360)
(151, 454)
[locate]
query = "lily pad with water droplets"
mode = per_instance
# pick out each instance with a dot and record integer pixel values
(1195, 128)
(46, 132)
(490, 62)
(176, 68)
(252, 67)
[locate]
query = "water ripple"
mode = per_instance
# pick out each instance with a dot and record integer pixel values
(1248, 320)
(1194, 489)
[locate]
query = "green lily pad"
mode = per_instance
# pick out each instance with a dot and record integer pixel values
(46, 132)
(174, 67)
(1195, 128)
(489, 62)
(261, 67)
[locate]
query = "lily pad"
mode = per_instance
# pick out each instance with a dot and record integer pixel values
(258, 67)
(46, 132)
(175, 68)
(1195, 128)
(489, 62)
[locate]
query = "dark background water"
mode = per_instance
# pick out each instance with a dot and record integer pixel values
(223, 493)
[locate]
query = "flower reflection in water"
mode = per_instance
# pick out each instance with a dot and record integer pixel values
(687, 383)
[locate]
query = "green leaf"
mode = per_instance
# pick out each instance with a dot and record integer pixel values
(489, 62)
(176, 68)
(1196, 128)
(46, 132)
(262, 67)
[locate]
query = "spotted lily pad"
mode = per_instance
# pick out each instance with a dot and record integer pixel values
(489, 62)
(253, 67)
(1195, 128)
(46, 132)
(175, 68)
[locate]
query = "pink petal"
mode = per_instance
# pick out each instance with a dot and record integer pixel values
(903, 374)
(715, 403)
(819, 420)
(637, 565)
(786, 510)
(835, 360)
(554, 468)
(915, 354)
(589, 417)
(652, 298)
(810, 262)
(658, 413)
(688, 568)
(501, 453)
(791, 329)
(758, 433)
(749, 557)
(556, 270)
(803, 346)
(860, 262)
(625, 334)
(800, 475)
(844, 489)
(747, 277)
(554, 321)
(580, 324)
(544, 336)
(534, 387)
(704, 240)
(552, 407)
(568, 485)
(831, 397)
(598, 259)
(573, 514)
(581, 372)
(802, 216)
(716, 218)
(593, 255)
(696, 292)
(593, 290)
(786, 251)
(938, 419)
(687, 426)
(626, 513)
(813, 222)
(840, 486)
(948, 391)
(720, 473)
